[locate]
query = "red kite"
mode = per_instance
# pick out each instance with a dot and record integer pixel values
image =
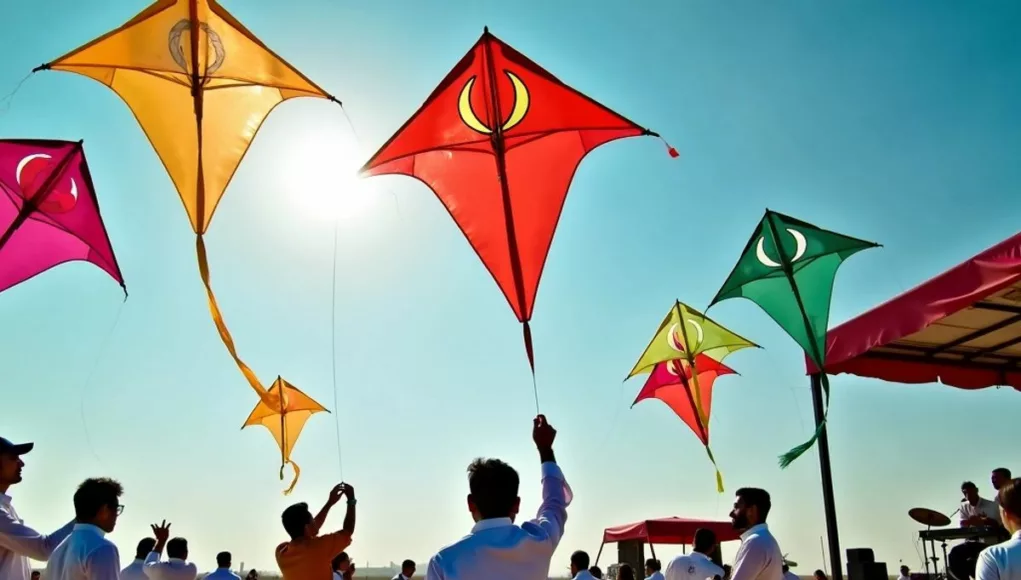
(498, 141)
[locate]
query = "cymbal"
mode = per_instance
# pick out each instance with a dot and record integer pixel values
(928, 517)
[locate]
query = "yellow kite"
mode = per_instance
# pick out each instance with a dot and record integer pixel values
(200, 85)
(285, 421)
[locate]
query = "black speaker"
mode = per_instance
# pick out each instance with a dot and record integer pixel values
(875, 571)
(632, 552)
(857, 558)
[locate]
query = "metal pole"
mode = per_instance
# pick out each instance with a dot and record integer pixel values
(827, 482)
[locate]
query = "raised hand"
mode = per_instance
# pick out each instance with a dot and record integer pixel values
(161, 532)
(543, 433)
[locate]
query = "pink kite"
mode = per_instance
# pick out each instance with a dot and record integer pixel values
(48, 211)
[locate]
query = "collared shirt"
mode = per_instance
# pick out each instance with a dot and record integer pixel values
(759, 556)
(984, 508)
(693, 566)
(221, 574)
(135, 570)
(655, 576)
(19, 542)
(584, 575)
(400, 577)
(85, 555)
(312, 558)
(788, 575)
(171, 569)
(496, 549)
(1001, 562)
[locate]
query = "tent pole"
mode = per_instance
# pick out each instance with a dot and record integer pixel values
(827, 480)
(600, 553)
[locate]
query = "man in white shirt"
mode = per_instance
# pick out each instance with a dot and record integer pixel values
(407, 570)
(697, 565)
(135, 570)
(1003, 561)
(19, 542)
(86, 554)
(580, 566)
(223, 571)
(496, 548)
(176, 567)
(905, 573)
(341, 564)
(652, 569)
(976, 511)
(759, 556)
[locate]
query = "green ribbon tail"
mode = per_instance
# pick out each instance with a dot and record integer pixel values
(788, 458)
(719, 476)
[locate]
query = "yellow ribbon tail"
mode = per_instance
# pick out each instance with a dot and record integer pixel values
(719, 476)
(221, 327)
(297, 474)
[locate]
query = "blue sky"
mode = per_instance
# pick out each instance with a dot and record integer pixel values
(893, 122)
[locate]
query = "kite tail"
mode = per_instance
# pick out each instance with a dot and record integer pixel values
(719, 476)
(297, 474)
(788, 458)
(228, 341)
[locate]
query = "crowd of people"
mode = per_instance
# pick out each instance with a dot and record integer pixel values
(497, 548)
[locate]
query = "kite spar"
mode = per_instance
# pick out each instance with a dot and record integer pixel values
(794, 289)
(498, 142)
(200, 85)
(49, 213)
(675, 351)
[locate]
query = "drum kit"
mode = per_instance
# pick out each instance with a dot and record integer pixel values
(931, 519)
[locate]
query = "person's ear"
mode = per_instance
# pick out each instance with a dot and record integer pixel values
(517, 505)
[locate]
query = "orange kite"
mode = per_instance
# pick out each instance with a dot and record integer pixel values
(200, 85)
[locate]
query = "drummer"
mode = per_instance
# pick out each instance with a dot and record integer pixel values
(976, 511)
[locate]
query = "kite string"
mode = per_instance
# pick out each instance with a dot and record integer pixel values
(358, 141)
(9, 97)
(88, 379)
(333, 347)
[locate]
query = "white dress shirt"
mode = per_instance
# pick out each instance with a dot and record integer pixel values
(1001, 562)
(584, 575)
(496, 549)
(655, 576)
(134, 571)
(693, 566)
(19, 542)
(220, 574)
(759, 556)
(171, 569)
(85, 555)
(984, 508)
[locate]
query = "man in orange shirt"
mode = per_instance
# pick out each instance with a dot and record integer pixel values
(309, 556)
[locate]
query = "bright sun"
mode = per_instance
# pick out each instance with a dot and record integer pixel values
(321, 169)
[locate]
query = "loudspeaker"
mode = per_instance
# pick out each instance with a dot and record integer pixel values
(875, 571)
(632, 552)
(857, 558)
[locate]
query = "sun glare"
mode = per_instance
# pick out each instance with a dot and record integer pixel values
(320, 173)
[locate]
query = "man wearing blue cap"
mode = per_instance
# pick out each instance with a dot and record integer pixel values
(19, 542)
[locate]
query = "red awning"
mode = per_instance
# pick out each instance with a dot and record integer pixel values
(961, 328)
(669, 531)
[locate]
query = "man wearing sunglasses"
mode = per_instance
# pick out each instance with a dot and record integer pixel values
(87, 554)
(19, 542)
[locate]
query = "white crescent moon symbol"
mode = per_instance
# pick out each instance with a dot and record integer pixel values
(74, 189)
(802, 244)
(26, 161)
(672, 340)
(760, 254)
(699, 334)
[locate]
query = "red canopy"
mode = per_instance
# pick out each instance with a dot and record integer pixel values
(669, 531)
(961, 328)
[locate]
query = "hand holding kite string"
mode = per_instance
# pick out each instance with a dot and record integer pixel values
(498, 142)
(787, 268)
(200, 85)
(690, 336)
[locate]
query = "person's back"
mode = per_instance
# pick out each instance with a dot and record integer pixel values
(697, 565)
(136, 569)
(308, 555)
(223, 571)
(176, 566)
(496, 548)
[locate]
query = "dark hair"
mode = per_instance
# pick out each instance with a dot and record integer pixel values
(904, 570)
(580, 560)
(1003, 472)
(968, 485)
(756, 497)
(407, 564)
(494, 487)
(596, 571)
(177, 548)
(145, 545)
(820, 574)
(295, 518)
(653, 563)
(786, 568)
(223, 559)
(36, 573)
(1010, 497)
(94, 494)
(705, 539)
(339, 559)
(625, 572)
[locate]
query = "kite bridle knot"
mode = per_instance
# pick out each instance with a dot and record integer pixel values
(334, 99)
(45, 66)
